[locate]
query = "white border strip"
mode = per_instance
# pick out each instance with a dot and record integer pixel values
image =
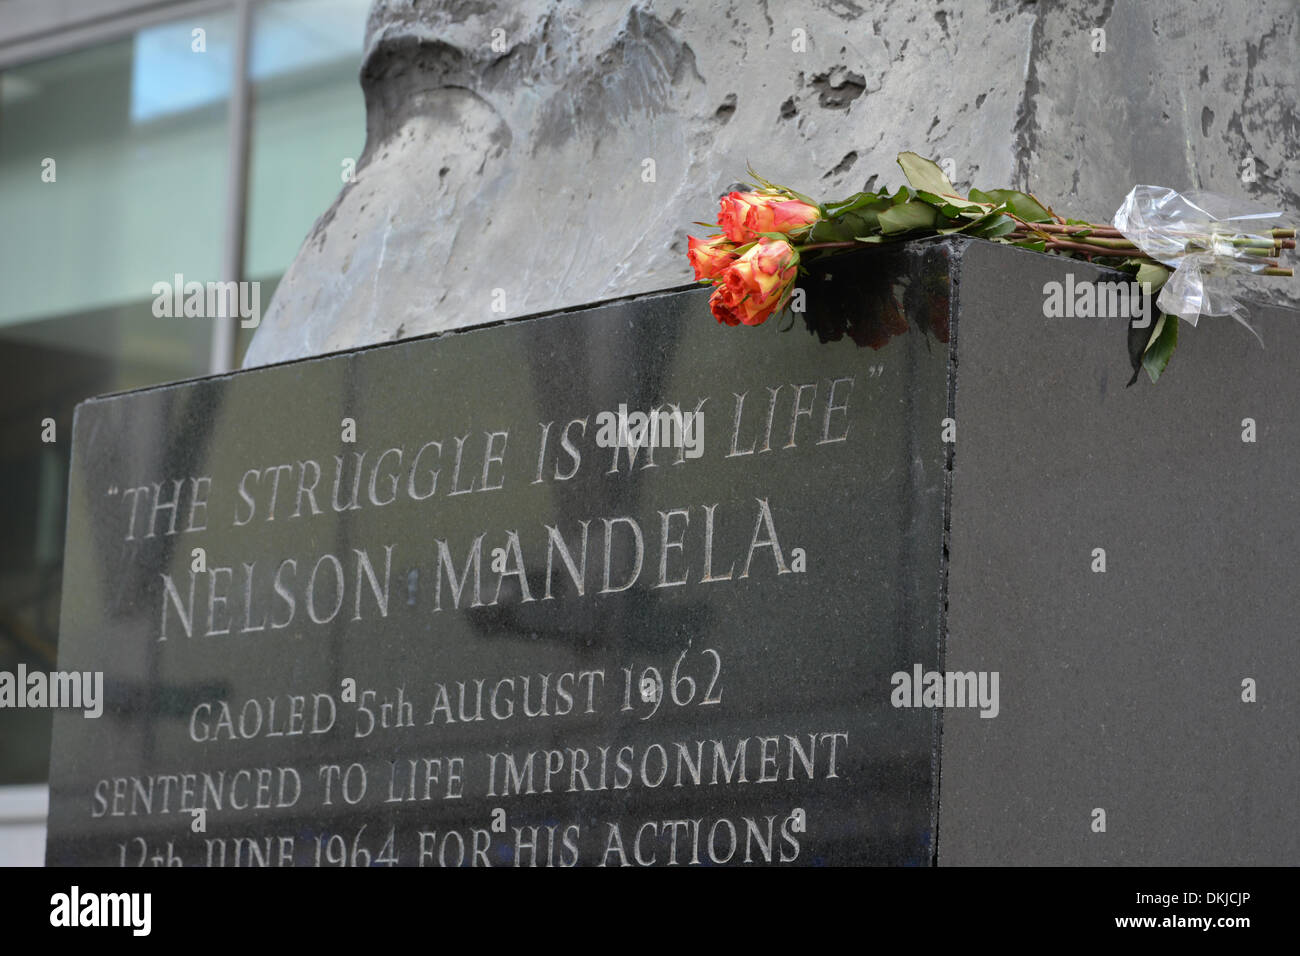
(29, 803)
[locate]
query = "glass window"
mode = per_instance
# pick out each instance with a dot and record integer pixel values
(112, 173)
(112, 176)
(308, 122)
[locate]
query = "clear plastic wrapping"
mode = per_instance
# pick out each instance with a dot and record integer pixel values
(1206, 239)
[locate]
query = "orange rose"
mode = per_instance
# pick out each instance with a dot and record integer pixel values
(724, 308)
(710, 257)
(743, 216)
(755, 285)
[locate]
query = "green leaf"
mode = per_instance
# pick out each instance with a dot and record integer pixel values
(993, 226)
(1164, 339)
(856, 201)
(900, 195)
(988, 226)
(1038, 245)
(951, 206)
(1026, 207)
(924, 175)
(828, 230)
(855, 218)
(1155, 332)
(907, 216)
(860, 221)
(1154, 273)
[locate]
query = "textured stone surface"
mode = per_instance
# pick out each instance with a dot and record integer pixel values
(1208, 86)
(522, 171)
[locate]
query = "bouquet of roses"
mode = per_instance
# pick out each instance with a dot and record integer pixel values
(763, 234)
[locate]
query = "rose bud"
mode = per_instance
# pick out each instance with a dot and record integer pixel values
(710, 257)
(756, 284)
(743, 216)
(722, 307)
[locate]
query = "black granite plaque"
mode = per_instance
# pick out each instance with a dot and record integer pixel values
(404, 606)
(1160, 691)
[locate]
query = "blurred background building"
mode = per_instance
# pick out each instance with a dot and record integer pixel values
(193, 138)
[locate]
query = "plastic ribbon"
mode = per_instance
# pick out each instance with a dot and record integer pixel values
(1205, 238)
